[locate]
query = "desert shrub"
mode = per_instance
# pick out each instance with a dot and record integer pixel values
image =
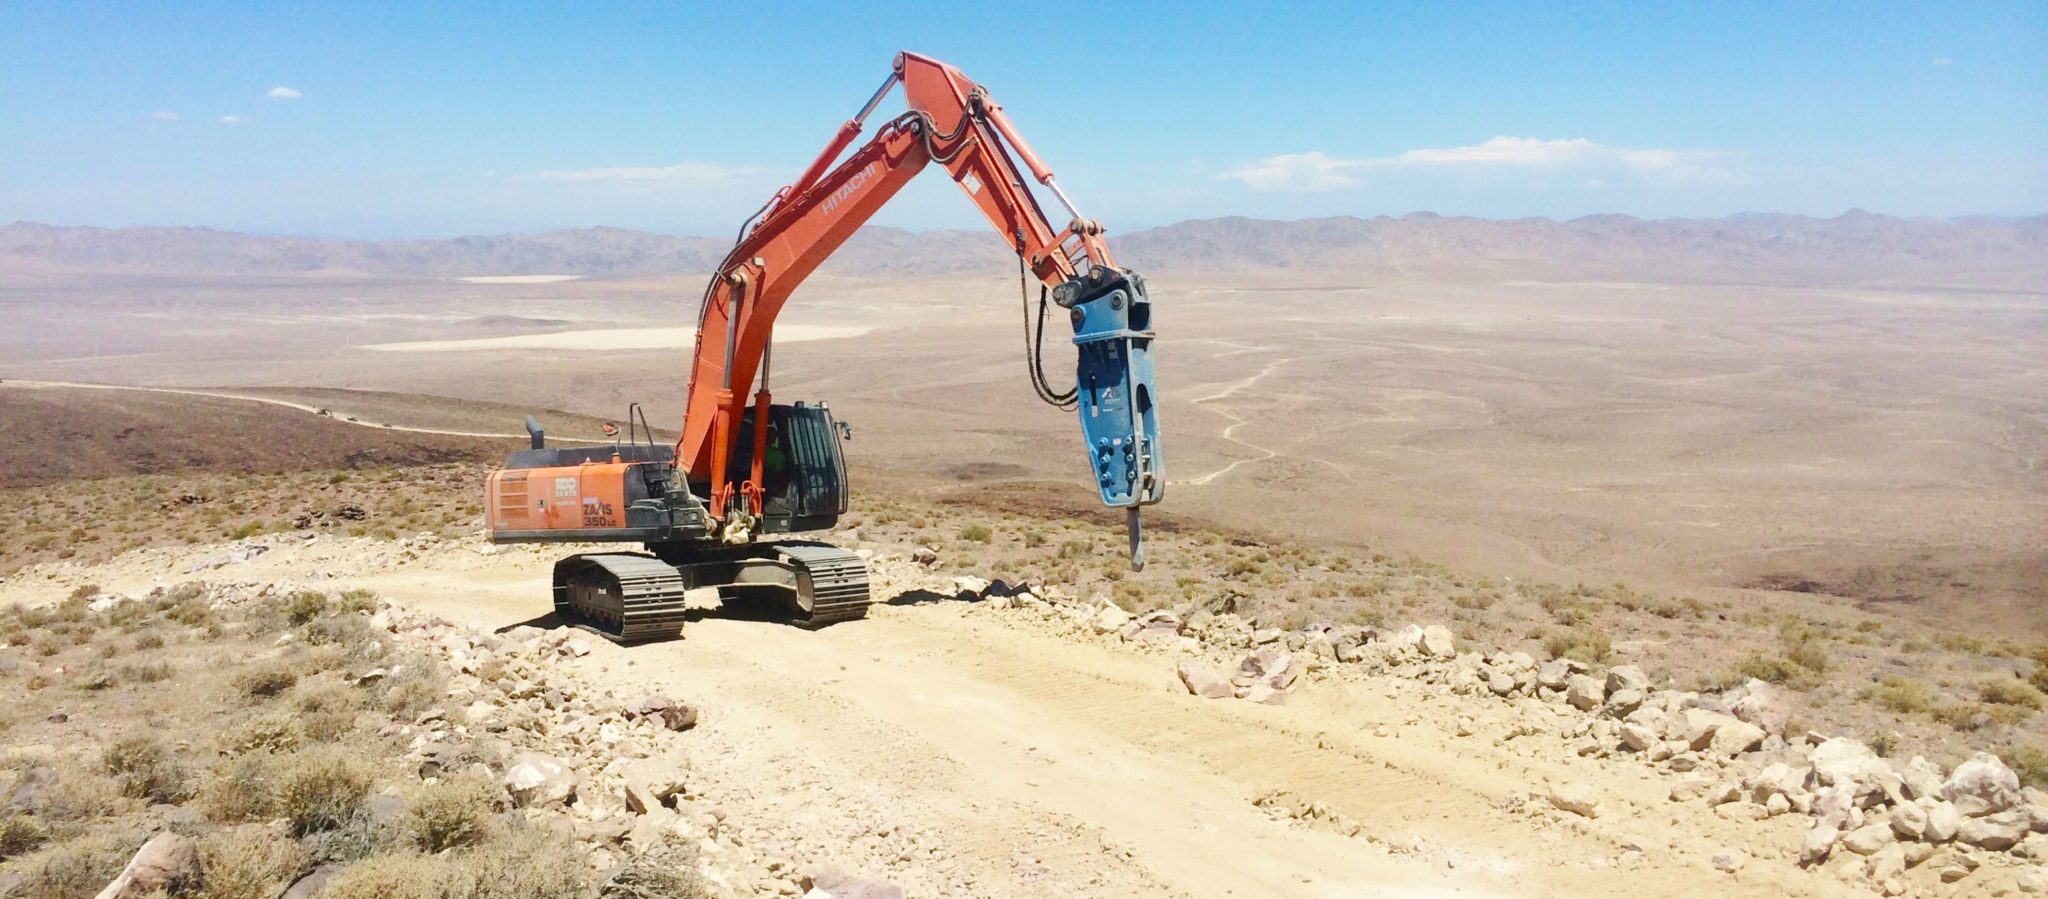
(1811, 655)
(149, 640)
(351, 633)
(978, 533)
(84, 593)
(320, 789)
(519, 864)
(2010, 691)
(1884, 743)
(452, 813)
(240, 789)
(669, 870)
(396, 876)
(2030, 762)
(145, 769)
(328, 713)
(187, 604)
(48, 643)
(266, 680)
(21, 835)
(144, 673)
(358, 600)
(1584, 644)
(79, 868)
(304, 605)
(1900, 694)
(268, 733)
(252, 861)
(414, 688)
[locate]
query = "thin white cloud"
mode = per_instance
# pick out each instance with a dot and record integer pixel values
(1298, 171)
(164, 115)
(1316, 171)
(692, 173)
(234, 120)
(281, 92)
(1942, 61)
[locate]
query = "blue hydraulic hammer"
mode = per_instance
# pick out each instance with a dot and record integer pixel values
(1114, 394)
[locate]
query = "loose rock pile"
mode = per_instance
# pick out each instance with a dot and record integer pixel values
(1872, 819)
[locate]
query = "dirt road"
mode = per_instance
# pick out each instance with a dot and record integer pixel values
(955, 748)
(288, 404)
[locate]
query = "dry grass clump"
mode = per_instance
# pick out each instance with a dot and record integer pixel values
(413, 687)
(396, 876)
(145, 769)
(453, 813)
(1900, 694)
(1584, 643)
(79, 868)
(251, 861)
(266, 679)
(315, 790)
(512, 864)
(2029, 761)
(2011, 692)
(668, 871)
(21, 835)
(279, 732)
(304, 606)
(320, 789)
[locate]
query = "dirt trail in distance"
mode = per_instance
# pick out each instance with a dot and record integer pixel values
(288, 404)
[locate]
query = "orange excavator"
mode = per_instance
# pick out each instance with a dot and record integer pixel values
(748, 469)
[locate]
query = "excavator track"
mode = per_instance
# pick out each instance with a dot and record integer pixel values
(837, 579)
(622, 597)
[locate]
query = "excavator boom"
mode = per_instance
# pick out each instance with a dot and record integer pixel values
(951, 121)
(745, 466)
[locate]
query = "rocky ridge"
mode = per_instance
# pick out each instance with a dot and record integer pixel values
(1898, 827)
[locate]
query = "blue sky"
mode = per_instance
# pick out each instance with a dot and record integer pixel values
(376, 120)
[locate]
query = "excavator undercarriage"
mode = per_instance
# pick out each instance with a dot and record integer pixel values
(634, 597)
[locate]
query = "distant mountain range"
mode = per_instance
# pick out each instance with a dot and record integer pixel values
(1856, 247)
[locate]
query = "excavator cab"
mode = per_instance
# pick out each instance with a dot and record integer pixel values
(804, 470)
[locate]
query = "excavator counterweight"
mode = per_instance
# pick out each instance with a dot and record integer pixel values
(746, 467)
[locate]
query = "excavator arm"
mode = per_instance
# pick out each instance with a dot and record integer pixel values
(951, 121)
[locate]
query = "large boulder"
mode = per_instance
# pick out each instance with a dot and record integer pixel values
(1585, 692)
(537, 780)
(1761, 704)
(1626, 677)
(1109, 619)
(168, 863)
(1437, 643)
(1576, 797)
(1918, 777)
(1982, 785)
(1869, 838)
(1735, 737)
(1203, 681)
(1943, 821)
(648, 785)
(1266, 676)
(1841, 760)
(1557, 672)
(1719, 733)
(1997, 832)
